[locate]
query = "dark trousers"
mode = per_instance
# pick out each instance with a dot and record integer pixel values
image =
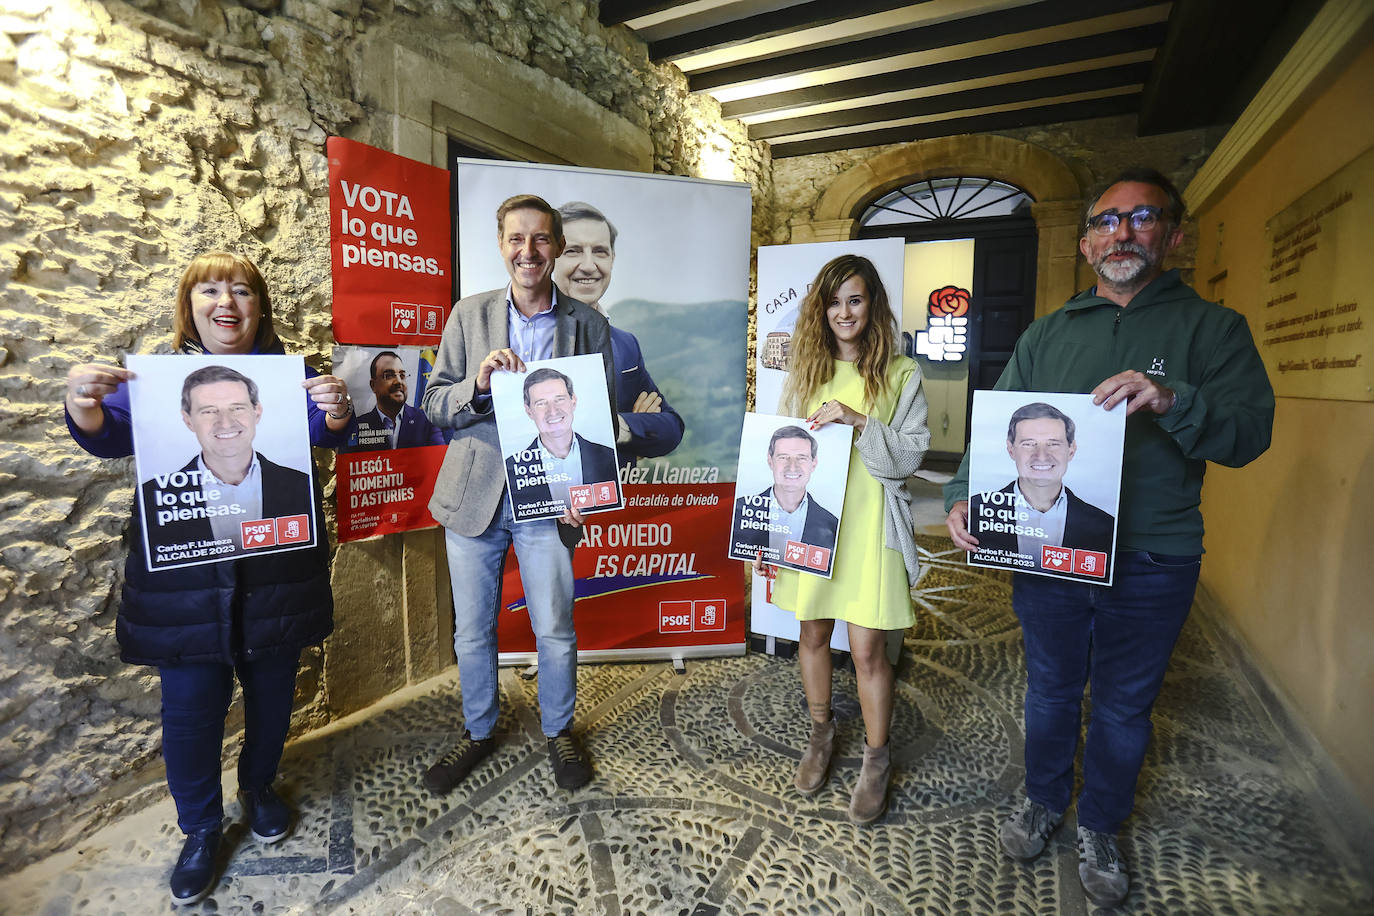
(195, 700)
(1119, 638)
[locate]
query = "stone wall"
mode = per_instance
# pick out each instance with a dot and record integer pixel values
(135, 136)
(1093, 150)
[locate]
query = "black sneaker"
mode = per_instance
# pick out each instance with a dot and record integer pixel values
(1101, 869)
(268, 816)
(453, 767)
(194, 874)
(1025, 833)
(571, 768)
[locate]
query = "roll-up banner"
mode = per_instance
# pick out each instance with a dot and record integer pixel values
(785, 276)
(666, 259)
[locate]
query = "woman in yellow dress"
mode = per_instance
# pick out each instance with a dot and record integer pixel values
(844, 368)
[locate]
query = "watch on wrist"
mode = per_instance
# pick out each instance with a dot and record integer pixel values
(347, 406)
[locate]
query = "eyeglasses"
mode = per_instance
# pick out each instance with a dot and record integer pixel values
(1142, 219)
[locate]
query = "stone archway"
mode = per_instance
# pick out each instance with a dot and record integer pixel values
(1047, 178)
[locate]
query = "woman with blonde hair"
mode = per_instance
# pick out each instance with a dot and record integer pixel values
(844, 368)
(203, 625)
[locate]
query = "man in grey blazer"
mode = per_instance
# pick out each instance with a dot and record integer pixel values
(490, 332)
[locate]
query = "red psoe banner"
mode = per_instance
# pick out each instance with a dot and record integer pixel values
(390, 245)
(653, 576)
(386, 491)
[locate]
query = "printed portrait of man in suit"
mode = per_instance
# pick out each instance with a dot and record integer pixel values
(1041, 442)
(786, 512)
(392, 423)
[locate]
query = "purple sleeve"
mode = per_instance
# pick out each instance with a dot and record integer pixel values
(116, 437)
(320, 433)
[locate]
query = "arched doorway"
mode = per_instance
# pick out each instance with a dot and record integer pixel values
(1026, 254)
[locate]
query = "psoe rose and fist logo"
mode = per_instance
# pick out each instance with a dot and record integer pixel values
(273, 532)
(701, 615)
(410, 318)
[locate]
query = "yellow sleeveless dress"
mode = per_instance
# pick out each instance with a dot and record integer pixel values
(869, 582)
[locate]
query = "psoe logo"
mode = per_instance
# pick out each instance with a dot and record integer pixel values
(431, 318)
(405, 318)
(293, 529)
(794, 553)
(675, 617)
(709, 614)
(1056, 558)
(258, 534)
(1090, 563)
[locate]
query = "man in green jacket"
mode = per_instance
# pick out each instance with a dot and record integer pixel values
(1194, 390)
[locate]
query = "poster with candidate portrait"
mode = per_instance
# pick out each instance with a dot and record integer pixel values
(1044, 483)
(389, 245)
(222, 450)
(666, 259)
(385, 473)
(557, 439)
(789, 492)
(786, 273)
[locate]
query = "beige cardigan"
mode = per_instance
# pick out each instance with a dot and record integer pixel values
(892, 453)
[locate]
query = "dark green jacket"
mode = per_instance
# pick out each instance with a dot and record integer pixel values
(1203, 351)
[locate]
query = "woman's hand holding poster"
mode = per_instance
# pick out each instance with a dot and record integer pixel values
(1044, 483)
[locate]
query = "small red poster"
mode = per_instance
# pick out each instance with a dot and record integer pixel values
(390, 245)
(387, 491)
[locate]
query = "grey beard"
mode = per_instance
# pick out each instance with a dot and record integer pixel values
(1124, 274)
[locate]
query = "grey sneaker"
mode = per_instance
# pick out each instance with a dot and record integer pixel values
(1101, 869)
(1024, 833)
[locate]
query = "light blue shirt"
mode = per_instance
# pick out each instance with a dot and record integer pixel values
(570, 467)
(246, 494)
(531, 338)
(795, 522)
(1050, 521)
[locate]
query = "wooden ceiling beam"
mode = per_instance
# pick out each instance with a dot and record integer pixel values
(1002, 120)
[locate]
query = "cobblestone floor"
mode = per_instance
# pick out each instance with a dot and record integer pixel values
(692, 810)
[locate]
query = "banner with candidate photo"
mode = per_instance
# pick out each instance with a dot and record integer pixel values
(786, 273)
(557, 439)
(389, 245)
(789, 493)
(1044, 483)
(666, 259)
(222, 450)
(386, 472)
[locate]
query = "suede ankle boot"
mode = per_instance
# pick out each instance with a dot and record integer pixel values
(869, 800)
(815, 762)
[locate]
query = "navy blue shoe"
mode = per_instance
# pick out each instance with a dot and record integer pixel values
(194, 874)
(267, 815)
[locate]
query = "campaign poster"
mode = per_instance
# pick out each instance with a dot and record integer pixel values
(389, 245)
(222, 450)
(385, 473)
(789, 492)
(666, 260)
(786, 273)
(557, 439)
(1044, 483)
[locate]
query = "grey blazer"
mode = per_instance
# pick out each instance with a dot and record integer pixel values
(472, 480)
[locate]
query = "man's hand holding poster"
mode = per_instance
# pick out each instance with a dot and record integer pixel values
(386, 472)
(789, 492)
(223, 453)
(1044, 482)
(554, 422)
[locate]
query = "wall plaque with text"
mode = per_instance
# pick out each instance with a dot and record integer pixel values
(1313, 336)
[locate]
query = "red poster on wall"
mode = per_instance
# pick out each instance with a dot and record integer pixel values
(390, 245)
(386, 492)
(653, 579)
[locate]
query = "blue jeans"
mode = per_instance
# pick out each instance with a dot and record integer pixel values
(1121, 638)
(195, 700)
(474, 565)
